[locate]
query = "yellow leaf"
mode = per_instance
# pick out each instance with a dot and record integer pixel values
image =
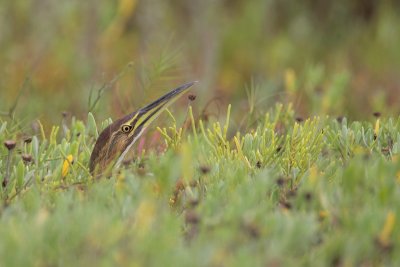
(66, 165)
(187, 162)
(126, 8)
(290, 80)
(313, 174)
(323, 214)
(384, 236)
(376, 129)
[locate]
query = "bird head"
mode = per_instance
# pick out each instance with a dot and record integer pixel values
(116, 140)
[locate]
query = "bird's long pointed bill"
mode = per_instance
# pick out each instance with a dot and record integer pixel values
(149, 113)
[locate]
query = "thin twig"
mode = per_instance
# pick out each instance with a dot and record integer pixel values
(12, 109)
(20, 190)
(106, 86)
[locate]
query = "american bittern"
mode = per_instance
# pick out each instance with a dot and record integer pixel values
(116, 139)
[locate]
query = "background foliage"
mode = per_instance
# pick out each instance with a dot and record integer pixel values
(67, 49)
(288, 156)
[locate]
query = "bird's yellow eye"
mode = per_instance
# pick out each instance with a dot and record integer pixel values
(126, 128)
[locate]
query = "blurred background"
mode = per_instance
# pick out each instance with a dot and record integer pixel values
(339, 58)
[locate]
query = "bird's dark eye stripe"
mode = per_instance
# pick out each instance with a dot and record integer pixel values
(126, 128)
